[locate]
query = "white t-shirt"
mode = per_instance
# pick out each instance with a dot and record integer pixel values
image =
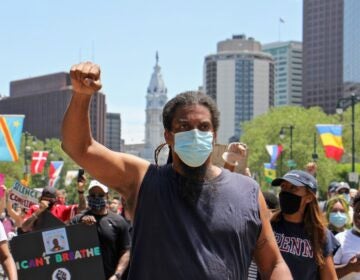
(2, 233)
(349, 247)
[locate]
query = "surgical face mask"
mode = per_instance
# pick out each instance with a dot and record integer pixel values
(347, 197)
(194, 146)
(337, 219)
(289, 203)
(96, 203)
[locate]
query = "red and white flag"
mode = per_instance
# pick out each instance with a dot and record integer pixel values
(38, 161)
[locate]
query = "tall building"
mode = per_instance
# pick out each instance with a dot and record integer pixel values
(155, 100)
(113, 131)
(323, 53)
(43, 100)
(288, 71)
(240, 78)
(351, 47)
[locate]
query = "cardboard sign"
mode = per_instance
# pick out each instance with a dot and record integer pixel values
(24, 195)
(59, 254)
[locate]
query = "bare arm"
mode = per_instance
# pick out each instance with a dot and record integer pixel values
(267, 254)
(13, 214)
(327, 271)
(29, 222)
(122, 265)
(120, 171)
(352, 266)
(7, 261)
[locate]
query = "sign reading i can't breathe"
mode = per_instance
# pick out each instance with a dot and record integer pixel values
(59, 254)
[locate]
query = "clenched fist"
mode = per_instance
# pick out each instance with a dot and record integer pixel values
(85, 78)
(235, 152)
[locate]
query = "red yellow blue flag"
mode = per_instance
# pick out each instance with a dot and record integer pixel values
(10, 136)
(331, 138)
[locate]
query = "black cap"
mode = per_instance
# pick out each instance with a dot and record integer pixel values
(297, 178)
(49, 192)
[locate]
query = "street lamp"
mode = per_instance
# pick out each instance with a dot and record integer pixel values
(282, 136)
(341, 105)
(27, 150)
(315, 155)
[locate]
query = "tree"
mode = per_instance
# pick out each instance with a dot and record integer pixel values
(264, 130)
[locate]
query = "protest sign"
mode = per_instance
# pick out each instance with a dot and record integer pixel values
(59, 254)
(24, 195)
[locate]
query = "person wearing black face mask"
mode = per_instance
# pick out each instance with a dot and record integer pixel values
(300, 230)
(112, 230)
(34, 219)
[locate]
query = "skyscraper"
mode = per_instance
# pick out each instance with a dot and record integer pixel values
(240, 77)
(155, 100)
(323, 53)
(288, 71)
(44, 99)
(113, 131)
(351, 46)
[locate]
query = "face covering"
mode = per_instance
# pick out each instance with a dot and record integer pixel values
(96, 203)
(289, 203)
(347, 197)
(194, 146)
(337, 219)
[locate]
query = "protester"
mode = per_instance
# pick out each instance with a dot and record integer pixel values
(115, 205)
(112, 230)
(337, 214)
(6, 258)
(304, 241)
(48, 201)
(347, 258)
(193, 220)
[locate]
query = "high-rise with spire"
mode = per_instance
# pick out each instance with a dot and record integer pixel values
(156, 98)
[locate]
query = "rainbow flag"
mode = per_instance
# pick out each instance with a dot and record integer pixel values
(10, 136)
(274, 152)
(269, 172)
(331, 139)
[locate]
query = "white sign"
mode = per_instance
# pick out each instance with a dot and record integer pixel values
(353, 177)
(24, 195)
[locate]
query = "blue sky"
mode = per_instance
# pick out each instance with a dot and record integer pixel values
(40, 37)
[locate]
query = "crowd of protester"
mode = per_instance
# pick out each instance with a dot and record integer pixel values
(212, 223)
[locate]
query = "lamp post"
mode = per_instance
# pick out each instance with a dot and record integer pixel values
(341, 105)
(27, 150)
(315, 155)
(282, 136)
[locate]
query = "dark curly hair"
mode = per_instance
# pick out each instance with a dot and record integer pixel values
(356, 199)
(190, 98)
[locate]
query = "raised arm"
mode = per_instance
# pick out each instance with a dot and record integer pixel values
(120, 171)
(267, 254)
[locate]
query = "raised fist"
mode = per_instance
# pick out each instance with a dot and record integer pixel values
(85, 78)
(235, 152)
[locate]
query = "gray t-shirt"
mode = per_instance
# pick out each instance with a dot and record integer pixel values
(208, 234)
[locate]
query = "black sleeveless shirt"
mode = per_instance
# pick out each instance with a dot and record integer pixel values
(210, 234)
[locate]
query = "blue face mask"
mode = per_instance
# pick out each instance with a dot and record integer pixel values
(96, 203)
(347, 197)
(337, 219)
(194, 146)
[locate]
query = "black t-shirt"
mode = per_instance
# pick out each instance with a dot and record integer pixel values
(296, 249)
(113, 235)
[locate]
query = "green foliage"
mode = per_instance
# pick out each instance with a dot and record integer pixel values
(14, 171)
(264, 130)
